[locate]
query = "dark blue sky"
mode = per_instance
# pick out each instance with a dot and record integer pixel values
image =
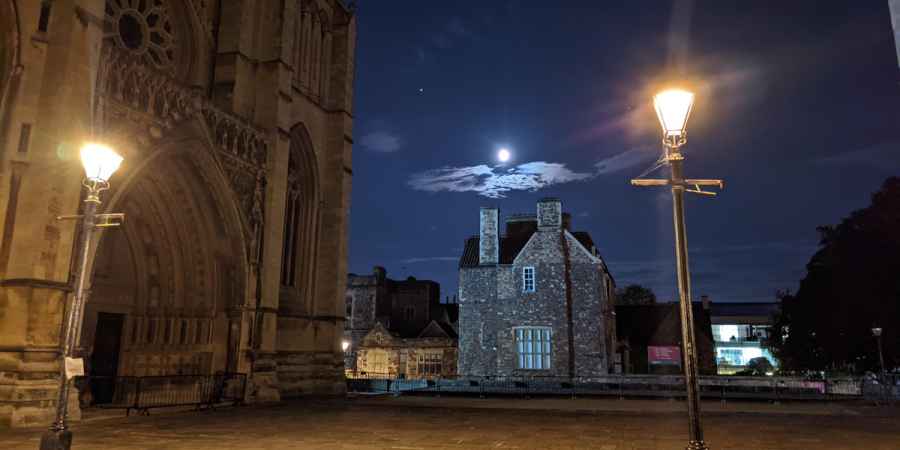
(798, 110)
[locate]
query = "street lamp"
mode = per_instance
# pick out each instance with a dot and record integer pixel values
(673, 108)
(876, 331)
(99, 162)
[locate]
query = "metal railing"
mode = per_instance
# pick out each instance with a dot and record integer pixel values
(143, 393)
(633, 386)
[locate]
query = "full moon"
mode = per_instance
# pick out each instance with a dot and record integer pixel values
(503, 155)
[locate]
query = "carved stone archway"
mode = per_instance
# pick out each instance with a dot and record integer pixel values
(175, 272)
(194, 179)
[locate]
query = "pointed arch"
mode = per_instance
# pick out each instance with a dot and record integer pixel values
(301, 225)
(178, 268)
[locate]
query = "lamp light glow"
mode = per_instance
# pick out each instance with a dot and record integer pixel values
(345, 345)
(673, 107)
(99, 161)
(876, 331)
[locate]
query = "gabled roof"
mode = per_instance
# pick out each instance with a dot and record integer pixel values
(379, 336)
(510, 246)
(436, 329)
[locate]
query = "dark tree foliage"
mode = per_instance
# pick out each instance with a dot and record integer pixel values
(757, 367)
(852, 284)
(635, 294)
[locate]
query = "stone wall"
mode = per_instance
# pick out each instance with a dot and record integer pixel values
(215, 140)
(492, 304)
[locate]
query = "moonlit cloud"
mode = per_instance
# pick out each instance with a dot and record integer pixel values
(381, 141)
(495, 182)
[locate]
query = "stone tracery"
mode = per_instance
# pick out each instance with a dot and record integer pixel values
(144, 28)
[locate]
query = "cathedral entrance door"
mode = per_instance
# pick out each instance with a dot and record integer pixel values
(105, 357)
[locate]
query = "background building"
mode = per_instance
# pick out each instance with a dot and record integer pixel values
(235, 121)
(398, 328)
(650, 339)
(535, 301)
(740, 331)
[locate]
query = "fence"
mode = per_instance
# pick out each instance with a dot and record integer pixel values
(633, 386)
(143, 393)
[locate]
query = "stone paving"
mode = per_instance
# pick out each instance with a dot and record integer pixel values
(394, 425)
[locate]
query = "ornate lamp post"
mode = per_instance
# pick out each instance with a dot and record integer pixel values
(673, 107)
(100, 162)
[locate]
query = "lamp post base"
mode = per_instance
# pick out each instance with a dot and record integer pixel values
(56, 440)
(697, 445)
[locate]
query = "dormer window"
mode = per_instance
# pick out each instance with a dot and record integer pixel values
(528, 283)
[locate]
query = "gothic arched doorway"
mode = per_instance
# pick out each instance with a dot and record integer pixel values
(168, 285)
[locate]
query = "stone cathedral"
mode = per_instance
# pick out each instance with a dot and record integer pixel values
(234, 118)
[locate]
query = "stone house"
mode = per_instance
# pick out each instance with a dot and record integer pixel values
(398, 328)
(235, 122)
(536, 301)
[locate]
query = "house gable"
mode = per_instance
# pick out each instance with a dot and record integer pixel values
(379, 336)
(433, 330)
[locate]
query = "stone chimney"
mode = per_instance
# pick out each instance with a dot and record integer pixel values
(549, 214)
(489, 236)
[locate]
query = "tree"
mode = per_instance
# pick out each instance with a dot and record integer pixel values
(635, 294)
(852, 284)
(760, 366)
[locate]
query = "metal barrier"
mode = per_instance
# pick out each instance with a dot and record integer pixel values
(143, 393)
(639, 386)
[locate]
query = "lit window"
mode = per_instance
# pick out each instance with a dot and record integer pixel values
(430, 363)
(528, 279)
(533, 347)
(377, 362)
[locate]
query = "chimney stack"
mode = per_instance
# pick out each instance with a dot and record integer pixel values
(704, 299)
(549, 213)
(489, 237)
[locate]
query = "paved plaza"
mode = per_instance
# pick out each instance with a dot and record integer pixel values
(436, 423)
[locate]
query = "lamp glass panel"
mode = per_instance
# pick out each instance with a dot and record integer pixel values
(673, 108)
(99, 161)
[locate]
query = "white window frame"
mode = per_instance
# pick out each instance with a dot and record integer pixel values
(526, 279)
(534, 347)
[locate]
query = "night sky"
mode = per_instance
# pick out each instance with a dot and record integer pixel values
(798, 110)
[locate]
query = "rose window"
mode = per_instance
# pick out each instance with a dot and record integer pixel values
(143, 28)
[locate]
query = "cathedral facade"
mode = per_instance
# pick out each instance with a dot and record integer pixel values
(234, 119)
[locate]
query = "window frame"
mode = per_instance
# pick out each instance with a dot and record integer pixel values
(525, 279)
(523, 339)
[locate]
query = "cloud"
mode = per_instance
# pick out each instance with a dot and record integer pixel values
(381, 141)
(495, 182)
(625, 160)
(427, 259)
